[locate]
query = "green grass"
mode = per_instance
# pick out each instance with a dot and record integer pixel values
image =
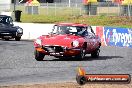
(42, 18)
(66, 14)
(114, 21)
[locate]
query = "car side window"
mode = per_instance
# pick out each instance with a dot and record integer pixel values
(83, 31)
(54, 30)
(11, 21)
(7, 20)
(90, 32)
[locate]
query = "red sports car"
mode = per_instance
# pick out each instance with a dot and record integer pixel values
(68, 40)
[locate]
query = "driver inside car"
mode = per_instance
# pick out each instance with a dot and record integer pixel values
(83, 32)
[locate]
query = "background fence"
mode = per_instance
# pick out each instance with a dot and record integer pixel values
(100, 8)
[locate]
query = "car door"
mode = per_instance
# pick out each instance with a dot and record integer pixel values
(89, 41)
(92, 38)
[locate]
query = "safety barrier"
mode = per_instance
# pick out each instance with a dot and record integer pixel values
(110, 36)
(33, 30)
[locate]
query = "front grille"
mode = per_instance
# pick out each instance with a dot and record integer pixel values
(53, 48)
(7, 33)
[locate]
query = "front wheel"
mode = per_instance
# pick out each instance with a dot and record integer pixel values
(95, 54)
(17, 38)
(81, 55)
(38, 55)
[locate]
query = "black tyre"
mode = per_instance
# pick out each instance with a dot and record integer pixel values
(17, 38)
(95, 54)
(81, 80)
(6, 39)
(81, 55)
(38, 55)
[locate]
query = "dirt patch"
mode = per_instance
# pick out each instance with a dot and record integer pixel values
(70, 85)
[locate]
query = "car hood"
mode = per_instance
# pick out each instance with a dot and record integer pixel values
(61, 40)
(8, 29)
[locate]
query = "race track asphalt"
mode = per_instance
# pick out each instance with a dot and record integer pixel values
(18, 66)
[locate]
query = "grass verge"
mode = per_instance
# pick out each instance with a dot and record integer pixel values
(114, 21)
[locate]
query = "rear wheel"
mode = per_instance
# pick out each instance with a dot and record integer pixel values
(38, 55)
(95, 54)
(17, 38)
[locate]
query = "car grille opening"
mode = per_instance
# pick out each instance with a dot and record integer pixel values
(53, 48)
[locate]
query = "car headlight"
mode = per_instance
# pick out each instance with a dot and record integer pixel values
(38, 41)
(19, 30)
(75, 43)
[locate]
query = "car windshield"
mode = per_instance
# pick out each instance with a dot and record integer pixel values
(77, 30)
(4, 20)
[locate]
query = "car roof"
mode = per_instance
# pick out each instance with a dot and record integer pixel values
(72, 24)
(4, 16)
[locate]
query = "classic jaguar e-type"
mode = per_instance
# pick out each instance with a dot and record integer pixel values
(8, 30)
(68, 40)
